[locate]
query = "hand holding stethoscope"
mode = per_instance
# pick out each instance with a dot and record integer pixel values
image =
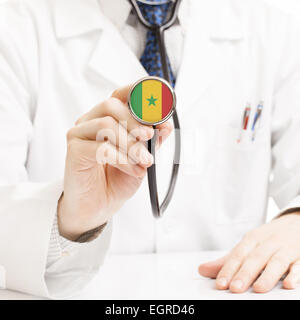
(136, 104)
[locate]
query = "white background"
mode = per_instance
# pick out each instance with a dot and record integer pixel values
(289, 6)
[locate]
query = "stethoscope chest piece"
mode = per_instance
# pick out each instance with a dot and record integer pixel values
(152, 101)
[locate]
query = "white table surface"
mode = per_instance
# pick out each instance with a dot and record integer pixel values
(162, 276)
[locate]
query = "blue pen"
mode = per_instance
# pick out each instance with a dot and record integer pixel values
(256, 119)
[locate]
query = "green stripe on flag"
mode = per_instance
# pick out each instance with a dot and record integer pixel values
(136, 100)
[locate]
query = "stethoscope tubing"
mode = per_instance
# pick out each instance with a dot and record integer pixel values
(158, 209)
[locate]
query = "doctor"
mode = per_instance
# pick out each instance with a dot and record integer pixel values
(65, 67)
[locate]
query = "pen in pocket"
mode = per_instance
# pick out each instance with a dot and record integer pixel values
(245, 121)
(256, 119)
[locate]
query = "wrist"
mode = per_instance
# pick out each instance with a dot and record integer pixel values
(64, 228)
(291, 211)
(72, 227)
(91, 234)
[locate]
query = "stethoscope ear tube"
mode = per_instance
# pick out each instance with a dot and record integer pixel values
(157, 209)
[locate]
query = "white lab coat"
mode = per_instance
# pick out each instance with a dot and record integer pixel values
(59, 58)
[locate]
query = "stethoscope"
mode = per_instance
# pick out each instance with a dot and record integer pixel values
(158, 209)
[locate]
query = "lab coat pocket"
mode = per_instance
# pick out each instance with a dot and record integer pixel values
(241, 175)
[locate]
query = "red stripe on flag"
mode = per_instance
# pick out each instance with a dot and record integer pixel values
(167, 100)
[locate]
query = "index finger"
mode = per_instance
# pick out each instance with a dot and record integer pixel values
(121, 94)
(234, 262)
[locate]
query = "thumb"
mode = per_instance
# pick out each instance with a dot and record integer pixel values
(212, 268)
(122, 93)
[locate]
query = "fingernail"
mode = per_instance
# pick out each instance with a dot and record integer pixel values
(145, 157)
(170, 125)
(237, 284)
(294, 283)
(147, 132)
(222, 282)
(140, 172)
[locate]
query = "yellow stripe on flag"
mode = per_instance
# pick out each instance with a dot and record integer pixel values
(152, 101)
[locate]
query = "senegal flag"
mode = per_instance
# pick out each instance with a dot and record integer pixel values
(151, 100)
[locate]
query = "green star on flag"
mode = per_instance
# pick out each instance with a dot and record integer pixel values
(152, 101)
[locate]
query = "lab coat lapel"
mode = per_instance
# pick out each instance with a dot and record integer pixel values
(211, 23)
(111, 58)
(114, 60)
(76, 17)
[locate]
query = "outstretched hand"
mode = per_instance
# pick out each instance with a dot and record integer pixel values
(261, 259)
